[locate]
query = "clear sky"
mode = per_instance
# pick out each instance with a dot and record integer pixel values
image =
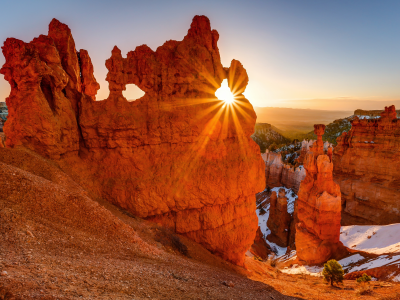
(298, 53)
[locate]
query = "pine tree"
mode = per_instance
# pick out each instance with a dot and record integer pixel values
(333, 272)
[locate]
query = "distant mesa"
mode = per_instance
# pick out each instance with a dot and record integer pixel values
(372, 113)
(176, 156)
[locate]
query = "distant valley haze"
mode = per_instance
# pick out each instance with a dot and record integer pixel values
(292, 121)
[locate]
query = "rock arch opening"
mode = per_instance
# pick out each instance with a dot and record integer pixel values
(224, 93)
(48, 93)
(133, 92)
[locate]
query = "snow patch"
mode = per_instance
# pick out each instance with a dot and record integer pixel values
(377, 239)
(263, 219)
(368, 117)
(350, 260)
(290, 199)
(308, 270)
(380, 261)
(396, 279)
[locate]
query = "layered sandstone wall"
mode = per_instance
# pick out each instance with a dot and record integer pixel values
(366, 166)
(318, 207)
(177, 156)
(279, 174)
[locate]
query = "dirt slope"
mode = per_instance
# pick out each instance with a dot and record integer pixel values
(57, 243)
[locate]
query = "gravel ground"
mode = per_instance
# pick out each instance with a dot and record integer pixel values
(58, 243)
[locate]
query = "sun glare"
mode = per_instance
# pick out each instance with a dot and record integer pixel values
(224, 93)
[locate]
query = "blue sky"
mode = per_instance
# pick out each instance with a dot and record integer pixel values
(298, 53)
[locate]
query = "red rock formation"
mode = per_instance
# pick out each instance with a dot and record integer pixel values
(260, 247)
(318, 207)
(383, 273)
(306, 146)
(40, 116)
(367, 166)
(372, 113)
(303, 151)
(292, 177)
(177, 156)
(89, 83)
(279, 174)
(330, 153)
(279, 219)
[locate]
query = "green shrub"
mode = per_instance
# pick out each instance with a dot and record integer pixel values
(364, 278)
(333, 272)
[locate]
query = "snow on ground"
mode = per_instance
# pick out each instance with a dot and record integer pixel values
(316, 270)
(289, 196)
(377, 239)
(384, 260)
(382, 240)
(262, 222)
(368, 117)
(350, 260)
(263, 219)
(309, 270)
(279, 251)
(396, 279)
(353, 263)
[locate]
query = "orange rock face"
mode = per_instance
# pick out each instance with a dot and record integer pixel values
(177, 156)
(367, 164)
(260, 247)
(279, 219)
(318, 207)
(279, 174)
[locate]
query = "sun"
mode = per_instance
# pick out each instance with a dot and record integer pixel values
(224, 93)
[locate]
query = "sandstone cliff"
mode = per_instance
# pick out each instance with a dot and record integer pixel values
(371, 113)
(279, 174)
(318, 207)
(366, 166)
(177, 156)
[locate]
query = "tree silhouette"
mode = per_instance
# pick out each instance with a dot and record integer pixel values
(333, 272)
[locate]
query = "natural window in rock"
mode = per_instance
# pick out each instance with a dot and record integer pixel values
(48, 93)
(133, 92)
(224, 93)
